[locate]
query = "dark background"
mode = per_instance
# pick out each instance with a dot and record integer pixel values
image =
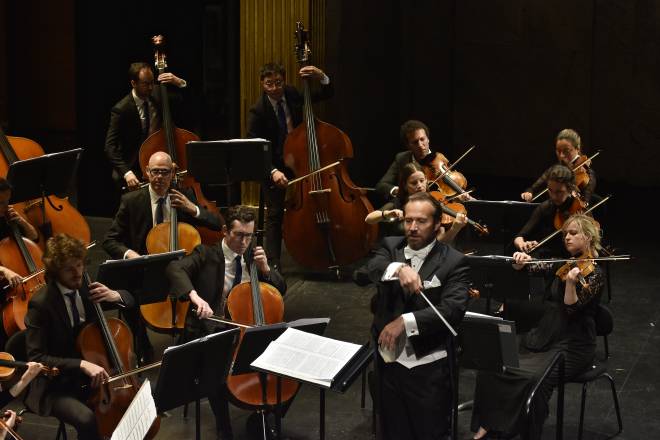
(505, 76)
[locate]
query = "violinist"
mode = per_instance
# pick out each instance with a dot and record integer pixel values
(566, 325)
(55, 316)
(563, 197)
(568, 150)
(138, 212)
(132, 120)
(207, 276)
(412, 180)
(8, 215)
(277, 112)
(7, 395)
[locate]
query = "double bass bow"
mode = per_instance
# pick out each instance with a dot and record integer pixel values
(109, 344)
(173, 140)
(324, 219)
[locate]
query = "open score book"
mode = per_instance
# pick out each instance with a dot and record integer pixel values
(306, 356)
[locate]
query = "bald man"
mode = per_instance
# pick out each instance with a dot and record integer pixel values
(139, 211)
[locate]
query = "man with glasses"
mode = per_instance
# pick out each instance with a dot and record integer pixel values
(277, 112)
(141, 210)
(207, 276)
(132, 120)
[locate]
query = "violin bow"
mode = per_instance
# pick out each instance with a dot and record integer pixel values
(574, 170)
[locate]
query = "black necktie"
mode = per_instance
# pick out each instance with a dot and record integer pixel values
(74, 307)
(238, 272)
(160, 210)
(145, 109)
(281, 119)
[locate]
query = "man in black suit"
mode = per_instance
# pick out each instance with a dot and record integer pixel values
(277, 112)
(206, 277)
(138, 212)
(414, 384)
(132, 120)
(54, 319)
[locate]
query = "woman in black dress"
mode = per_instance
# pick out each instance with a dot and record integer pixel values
(566, 325)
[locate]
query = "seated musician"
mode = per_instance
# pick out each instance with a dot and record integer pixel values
(208, 275)
(566, 325)
(55, 316)
(561, 195)
(414, 135)
(7, 395)
(411, 181)
(9, 215)
(414, 384)
(138, 212)
(568, 149)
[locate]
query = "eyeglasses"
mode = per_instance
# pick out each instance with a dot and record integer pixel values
(159, 172)
(242, 235)
(274, 83)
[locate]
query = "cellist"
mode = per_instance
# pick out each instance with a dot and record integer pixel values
(277, 112)
(55, 316)
(208, 275)
(7, 215)
(138, 212)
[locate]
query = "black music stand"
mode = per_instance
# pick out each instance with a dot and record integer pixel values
(494, 276)
(191, 370)
(139, 275)
(40, 177)
(488, 343)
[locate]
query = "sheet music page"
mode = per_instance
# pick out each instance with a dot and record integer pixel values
(139, 416)
(306, 356)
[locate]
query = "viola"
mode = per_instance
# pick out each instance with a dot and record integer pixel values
(54, 216)
(173, 140)
(324, 219)
(577, 206)
(169, 316)
(22, 256)
(451, 209)
(8, 366)
(109, 344)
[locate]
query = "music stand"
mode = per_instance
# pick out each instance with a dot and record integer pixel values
(498, 279)
(488, 343)
(191, 370)
(139, 275)
(40, 177)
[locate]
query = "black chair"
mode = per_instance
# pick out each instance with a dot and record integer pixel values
(604, 326)
(17, 347)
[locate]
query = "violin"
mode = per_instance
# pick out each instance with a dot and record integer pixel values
(109, 344)
(581, 171)
(451, 209)
(585, 263)
(577, 206)
(438, 172)
(8, 366)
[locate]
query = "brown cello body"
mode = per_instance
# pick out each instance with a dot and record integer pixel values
(109, 344)
(62, 217)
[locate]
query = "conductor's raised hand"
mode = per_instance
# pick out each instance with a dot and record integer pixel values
(409, 279)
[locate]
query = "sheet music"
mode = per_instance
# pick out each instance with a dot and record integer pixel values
(306, 356)
(139, 416)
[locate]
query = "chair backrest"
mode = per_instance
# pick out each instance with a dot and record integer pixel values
(16, 345)
(604, 321)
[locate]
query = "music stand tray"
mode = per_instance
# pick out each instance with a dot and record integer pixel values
(225, 162)
(142, 276)
(44, 175)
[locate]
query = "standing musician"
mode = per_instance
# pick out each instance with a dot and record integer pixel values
(412, 181)
(56, 315)
(277, 112)
(566, 324)
(414, 135)
(414, 384)
(138, 212)
(207, 276)
(8, 214)
(132, 120)
(562, 194)
(568, 149)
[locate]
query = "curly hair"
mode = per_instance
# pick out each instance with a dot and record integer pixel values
(59, 249)
(410, 126)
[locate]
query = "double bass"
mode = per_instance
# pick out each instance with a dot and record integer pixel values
(324, 219)
(54, 216)
(109, 344)
(172, 140)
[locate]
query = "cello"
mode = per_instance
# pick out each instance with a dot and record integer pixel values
(109, 344)
(55, 216)
(324, 219)
(172, 140)
(22, 256)
(169, 315)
